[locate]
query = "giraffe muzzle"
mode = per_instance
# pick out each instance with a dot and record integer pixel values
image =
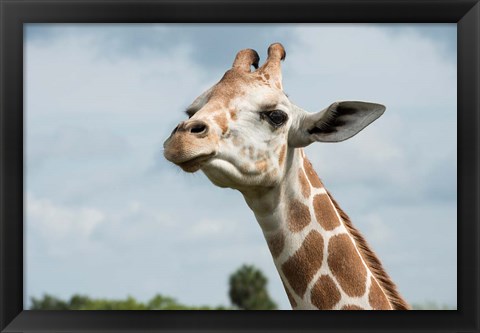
(188, 145)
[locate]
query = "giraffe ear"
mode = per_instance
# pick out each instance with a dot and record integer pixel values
(339, 122)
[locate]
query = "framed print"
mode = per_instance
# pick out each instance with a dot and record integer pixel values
(144, 144)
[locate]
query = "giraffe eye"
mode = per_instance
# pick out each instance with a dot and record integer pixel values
(276, 117)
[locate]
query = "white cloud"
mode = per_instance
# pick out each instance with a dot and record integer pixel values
(72, 143)
(63, 230)
(83, 82)
(405, 72)
(212, 228)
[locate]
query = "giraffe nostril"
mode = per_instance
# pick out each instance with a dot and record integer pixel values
(197, 128)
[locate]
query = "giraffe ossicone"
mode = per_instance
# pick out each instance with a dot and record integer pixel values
(246, 134)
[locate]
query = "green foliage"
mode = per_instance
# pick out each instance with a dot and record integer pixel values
(248, 289)
(80, 302)
(160, 302)
(49, 302)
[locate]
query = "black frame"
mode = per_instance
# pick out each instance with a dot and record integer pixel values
(14, 13)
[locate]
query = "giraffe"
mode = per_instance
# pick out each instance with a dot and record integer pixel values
(245, 133)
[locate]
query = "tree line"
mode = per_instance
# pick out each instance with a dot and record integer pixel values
(247, 291)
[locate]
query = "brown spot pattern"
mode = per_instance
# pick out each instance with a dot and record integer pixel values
(221, 120)
(304, 185)
(377, 298)
(324, 212)
(276, 243)
(261, 165)
(298, 215)
(292, 301)
(229, 87)
(346, 265)
(281, 158)
(300, 268)
(394, 297)
(311, 174)
(325, 293)
(352, 307)
(233, 114)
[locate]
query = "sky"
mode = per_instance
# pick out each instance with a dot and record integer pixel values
(107, 216)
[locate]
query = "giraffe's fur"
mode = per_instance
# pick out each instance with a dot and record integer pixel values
(325, 293)
(324, 212)
(301, 264)
(323, 261)
(276, 243)
(374, 263)
(345, 264)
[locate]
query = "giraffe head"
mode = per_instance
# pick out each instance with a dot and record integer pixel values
(241, 131)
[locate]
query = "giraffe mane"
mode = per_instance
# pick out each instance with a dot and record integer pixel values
(389, 288)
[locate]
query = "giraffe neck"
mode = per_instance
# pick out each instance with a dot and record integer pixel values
(318, 259)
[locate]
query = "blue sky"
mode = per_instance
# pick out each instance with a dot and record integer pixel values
(108, 216)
